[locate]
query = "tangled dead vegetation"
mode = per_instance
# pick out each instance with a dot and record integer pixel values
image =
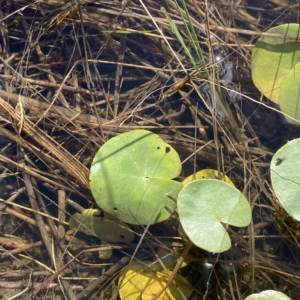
(75, 73)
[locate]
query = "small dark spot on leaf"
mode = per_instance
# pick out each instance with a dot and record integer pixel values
(122, 236)
(115, 209)
(168, 149)
(158, 148)
(279, 160)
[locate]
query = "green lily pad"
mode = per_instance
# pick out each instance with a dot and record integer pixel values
(203, 205)
(131, 176)
(273, 58)
(285, 177)
(289, 96)
(268, 295)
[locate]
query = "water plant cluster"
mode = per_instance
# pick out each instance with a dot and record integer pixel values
(149, 150)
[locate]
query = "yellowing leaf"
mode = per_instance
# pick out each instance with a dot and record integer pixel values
(170, 259)
(108, 228)
(105, 254)
(141, 282)
(207, 174)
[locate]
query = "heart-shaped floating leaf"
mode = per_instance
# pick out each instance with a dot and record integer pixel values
(207, 174)
(108, 228)
(268, 295)
(203, 205)
(285, 177)
(289, 96)
(131, 177)
(273, 58)
(138, 281)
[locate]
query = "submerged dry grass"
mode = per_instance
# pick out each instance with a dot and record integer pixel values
(75, 73)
